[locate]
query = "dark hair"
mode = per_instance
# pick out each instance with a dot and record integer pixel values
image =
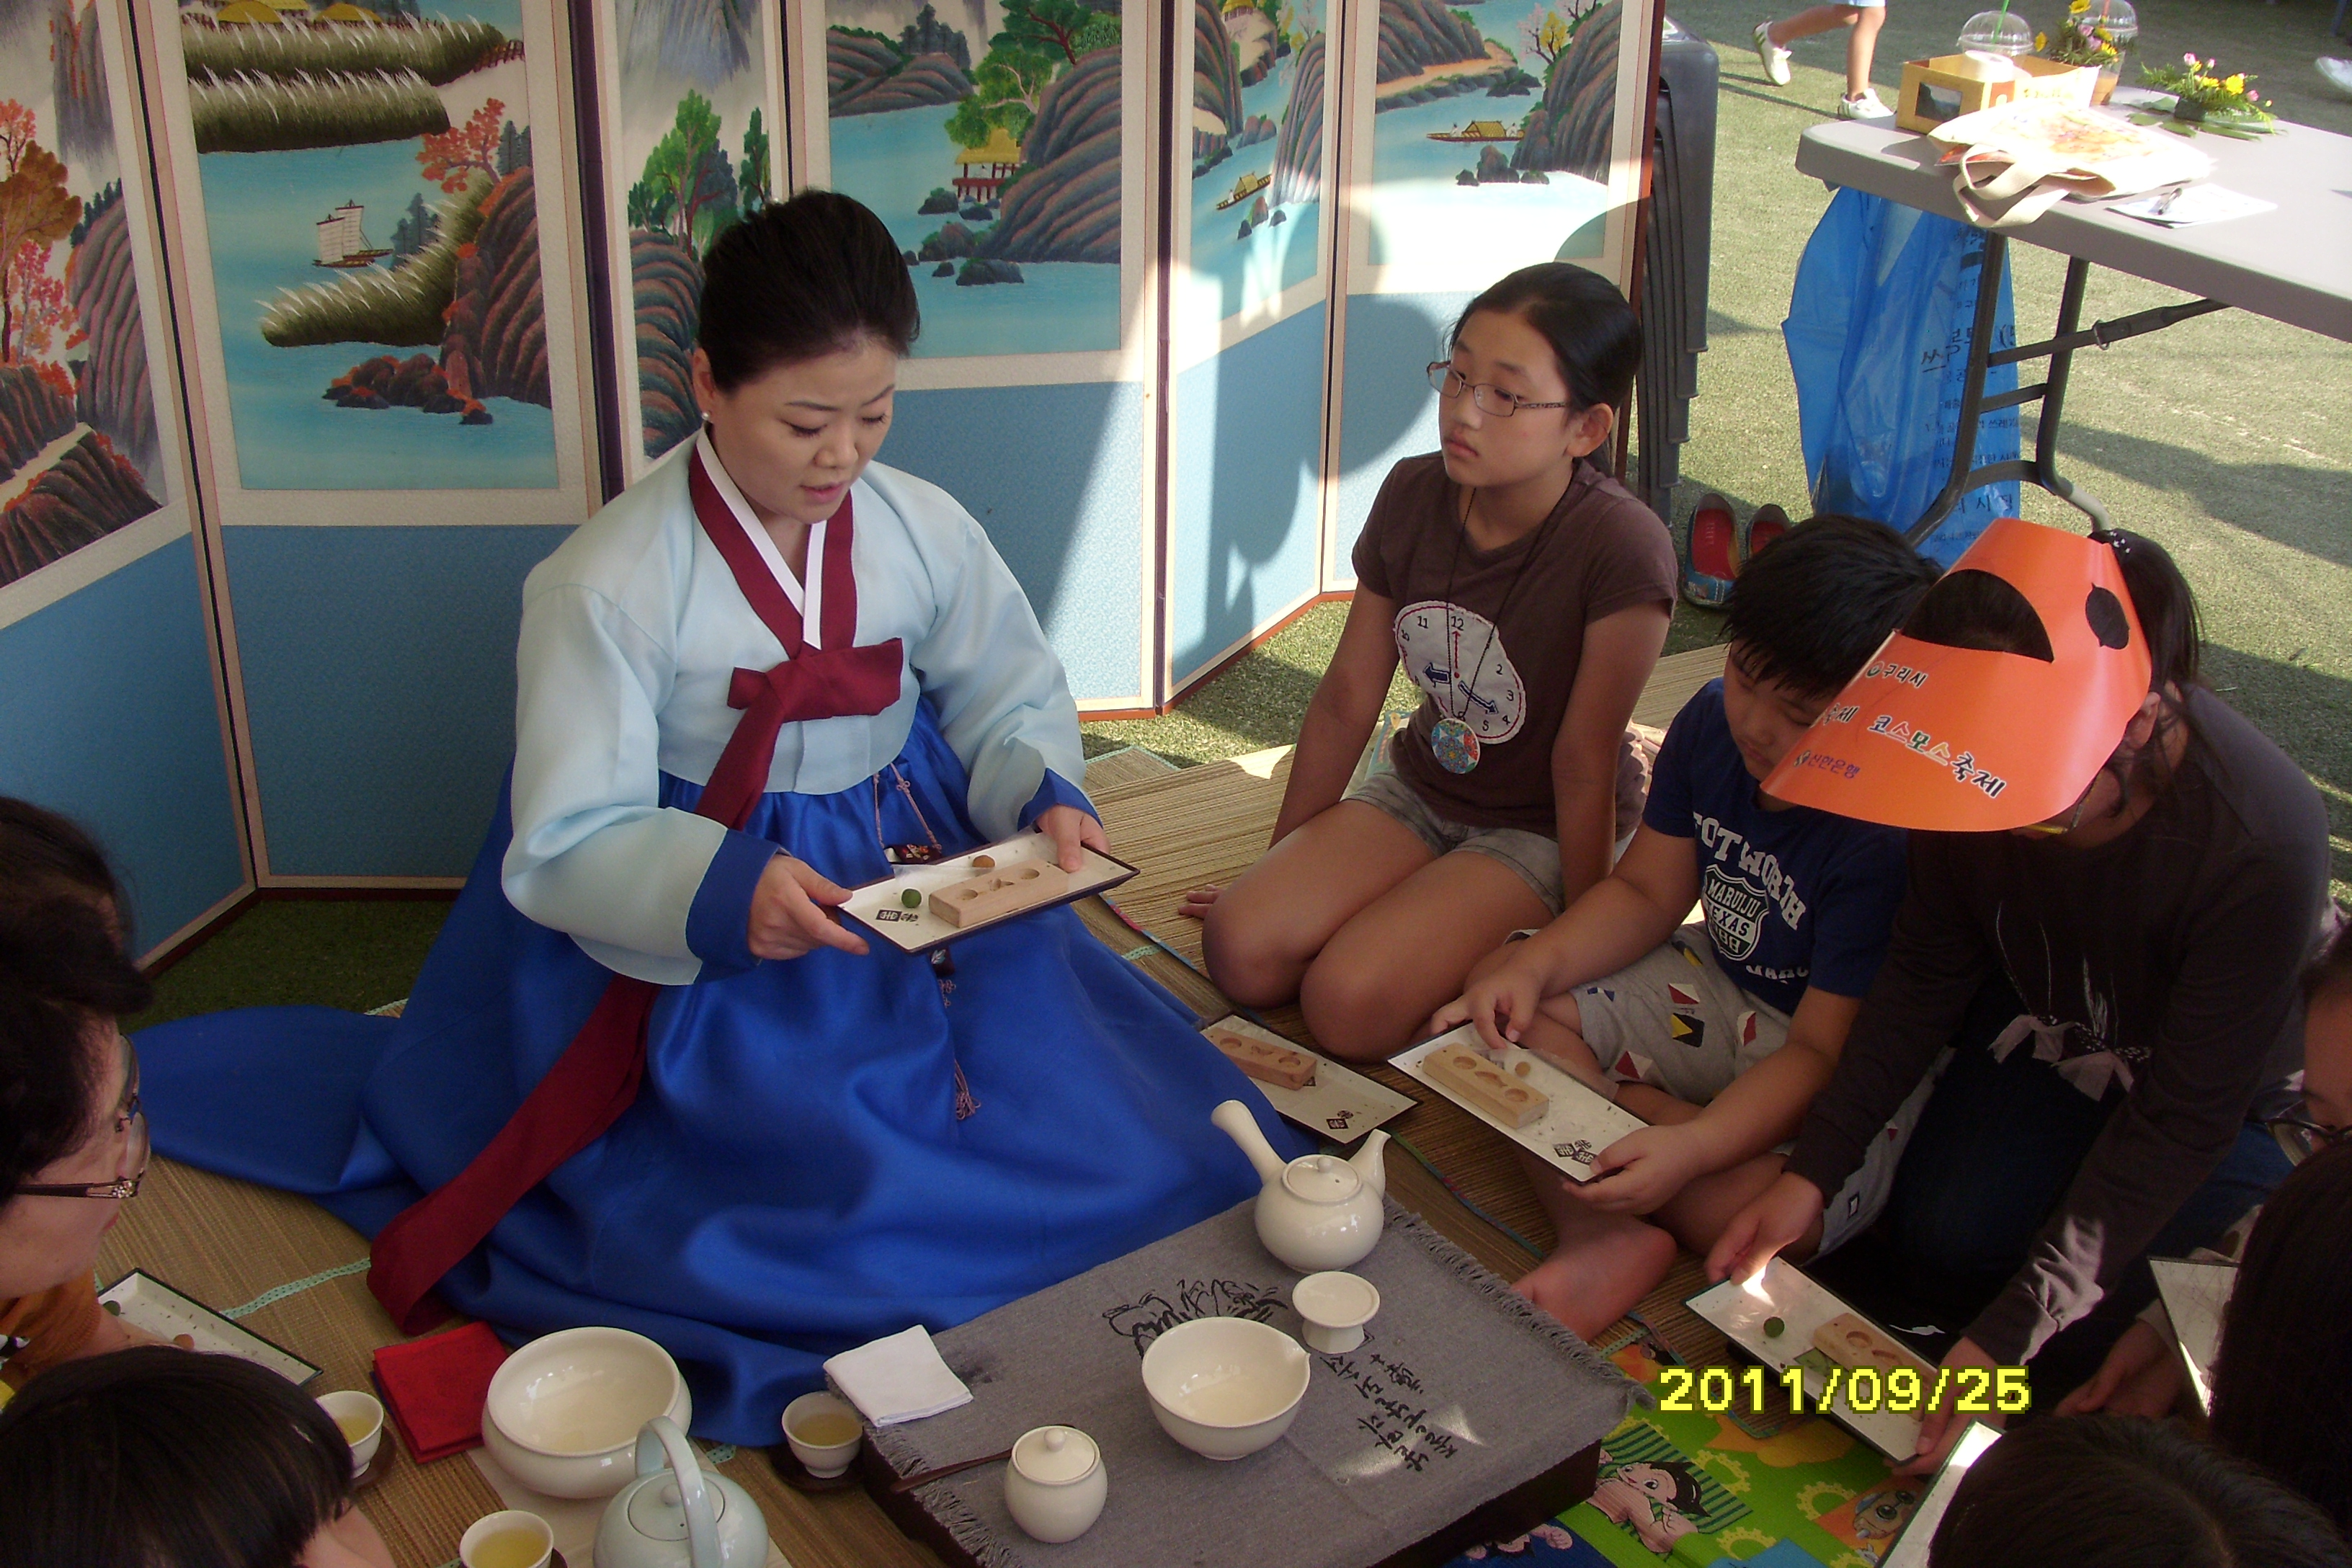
(2116, 1492)
(61, 966)
(1593, 333)
(2282, 1381)
(1818, 602)
(800, 279)
(160, 1457)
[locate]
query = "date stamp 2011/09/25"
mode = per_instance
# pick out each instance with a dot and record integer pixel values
(1976, 1390)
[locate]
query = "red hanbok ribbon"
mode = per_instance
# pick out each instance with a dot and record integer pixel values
(597, 1076)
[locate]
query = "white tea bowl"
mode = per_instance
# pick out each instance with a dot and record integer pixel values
(352, 1409)
(1224, 1387)
(563, 1411)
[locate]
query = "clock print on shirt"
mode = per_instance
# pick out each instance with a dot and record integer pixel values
(1435, 640)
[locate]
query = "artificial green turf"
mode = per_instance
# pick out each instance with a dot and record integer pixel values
(2228, 438)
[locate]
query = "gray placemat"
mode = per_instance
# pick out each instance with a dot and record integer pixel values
(1460, 1391)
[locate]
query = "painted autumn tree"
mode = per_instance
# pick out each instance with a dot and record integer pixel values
(35, 212)
(452, 157)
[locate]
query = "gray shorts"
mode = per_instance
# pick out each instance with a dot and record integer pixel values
(1534, 856)
(1674, 1020)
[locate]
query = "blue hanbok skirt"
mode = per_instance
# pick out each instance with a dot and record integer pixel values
(793, 1179)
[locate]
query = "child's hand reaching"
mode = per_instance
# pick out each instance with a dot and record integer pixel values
(1197, 902)
(1640, 1172)
(2141, 1376)
(1502, 1003)
(1073, 833)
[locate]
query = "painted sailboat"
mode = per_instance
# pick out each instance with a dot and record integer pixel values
(1477, 131)
(1245, 188)
(342, 243)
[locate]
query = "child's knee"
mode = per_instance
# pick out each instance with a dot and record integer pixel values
(1240, 947)
(1353, 1008)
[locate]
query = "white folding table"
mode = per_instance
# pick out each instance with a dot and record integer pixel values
(2292, 264)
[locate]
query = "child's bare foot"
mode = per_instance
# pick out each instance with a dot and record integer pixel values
(1199, 901)
(1596, 1279)
(1553, 1285)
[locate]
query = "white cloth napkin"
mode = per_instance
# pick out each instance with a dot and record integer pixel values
(900, 1378)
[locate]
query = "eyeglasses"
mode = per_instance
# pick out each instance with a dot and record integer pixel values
(2309, 1136)
(1447, 381)
(130, 1164)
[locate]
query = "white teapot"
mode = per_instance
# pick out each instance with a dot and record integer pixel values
(674, 1516)
(1318, 1211)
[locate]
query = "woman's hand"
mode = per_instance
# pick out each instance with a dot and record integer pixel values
(1502, 1003)
(2141, 1376)
(1779, 1218)
(1199, 901)
(1941, 1426)
(1640, 1172)
(1074, 833)
(789, 915)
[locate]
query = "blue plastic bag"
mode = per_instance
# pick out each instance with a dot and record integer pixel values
(1878, 337)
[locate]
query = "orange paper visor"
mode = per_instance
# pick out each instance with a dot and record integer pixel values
(1947, 729)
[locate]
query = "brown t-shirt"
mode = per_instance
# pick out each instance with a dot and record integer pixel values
(1602, 551)
(39, 1331)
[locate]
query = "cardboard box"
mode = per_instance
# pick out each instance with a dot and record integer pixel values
(1949, 86)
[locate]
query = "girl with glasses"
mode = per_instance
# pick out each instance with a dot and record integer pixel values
(72, 1140)
(1525, 594)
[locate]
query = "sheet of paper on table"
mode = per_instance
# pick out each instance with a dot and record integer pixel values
(1743, 1311)
(1574, 1128)
(1340, 1104)
(2195, 204)
(574, 1521)
(145, 1302)
(2194, 1295)
(1910, 1549)
(879, 907)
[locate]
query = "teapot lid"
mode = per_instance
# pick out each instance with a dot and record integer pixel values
(1056, 1455)
(658, 1511)
(1320, 1179)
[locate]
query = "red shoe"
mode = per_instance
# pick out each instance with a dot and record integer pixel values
(1768, 523)
(1710, 562)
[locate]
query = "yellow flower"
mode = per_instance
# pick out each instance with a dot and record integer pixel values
(2236, 83)
(2041, 42)
(2078, 7)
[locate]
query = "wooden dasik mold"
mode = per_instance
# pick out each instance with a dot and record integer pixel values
(998, 892)
(1487, 1086)
(1266, 1062)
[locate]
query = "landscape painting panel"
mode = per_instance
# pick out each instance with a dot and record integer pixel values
(1491, 133)
(79, 452)
(1257, 151)
(986, 133)
(374, 242)
(695, 140)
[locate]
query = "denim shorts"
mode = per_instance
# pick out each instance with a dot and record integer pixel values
(1533, 856)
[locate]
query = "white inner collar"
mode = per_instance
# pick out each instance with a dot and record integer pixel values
(811, 603)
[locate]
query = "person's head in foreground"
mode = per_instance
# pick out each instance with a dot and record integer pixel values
(1803, 616)
(2037, 688)
(155, 1458)
(2282, 1381)
(806, 310)
(1540, 363)
(2118, 1491)
(72, 1142)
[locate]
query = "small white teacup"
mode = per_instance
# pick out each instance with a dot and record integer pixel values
(825, 1431)
(511, 1538)
(1334, 1307)
(360, 1419)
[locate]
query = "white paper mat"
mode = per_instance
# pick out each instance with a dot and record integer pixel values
(1803, 1305)
(1574, 1128)
(573, 1520)
(2194, 1296)
(1340, 1105)
(877, 906)
(145, 1301)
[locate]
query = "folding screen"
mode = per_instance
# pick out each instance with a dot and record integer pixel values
(378, 301)
(1476, 142)
(690, 130)
(109, 709)
(1007, 144)
(1252, 248)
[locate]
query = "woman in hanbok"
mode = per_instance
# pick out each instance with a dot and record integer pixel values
(646, 1078)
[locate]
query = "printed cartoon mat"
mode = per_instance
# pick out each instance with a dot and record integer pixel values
(1734, 1489)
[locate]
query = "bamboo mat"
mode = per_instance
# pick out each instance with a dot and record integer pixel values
(228, 1244)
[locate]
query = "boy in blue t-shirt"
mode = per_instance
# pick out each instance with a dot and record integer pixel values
(1718, 1034)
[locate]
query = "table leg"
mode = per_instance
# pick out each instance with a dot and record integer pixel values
(1964, 440)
